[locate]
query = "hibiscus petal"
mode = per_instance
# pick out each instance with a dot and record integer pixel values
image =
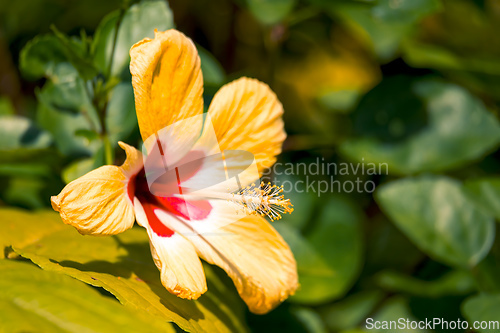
(134, 162)
(249, 249)
(246, 115)
(180, 267)
(98, 202)
(168, 85)
(225, 172)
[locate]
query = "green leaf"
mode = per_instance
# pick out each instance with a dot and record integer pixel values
(87, 134)
(329, 257)
(485, 193)
(213, 73)
(303, 201)
(435, 213)
(385, 23)
(392, 310)
(481, 308)
(19, 132)
(123, 266)
(309, 319)
(77, 169)
(422, 55)
(67, 92)
(37, 301)
(270, 11)
(404, 10)
(454, 46)
(40, 56)
(65, 107)
(25, 192)
(20, 169)
(6, 107)
(121, 119)
(349, 312)
(28, 177)
(341, 101)
(104, 38)
(33, 227)
(388, 248)
(459, 130)
(355, 330)
(487, 273)
(138, 22)
(29, 162)
(78, 54)
(379, 115)
(382, 37)
(453, 283)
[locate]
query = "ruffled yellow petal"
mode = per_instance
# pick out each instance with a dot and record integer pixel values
(167, 81)
(247, 115)
(134, 162)
(98, 203)
(258, 261)
(180, 267)
(249, 249)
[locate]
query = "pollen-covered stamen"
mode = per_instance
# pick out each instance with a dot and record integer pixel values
(265, 199)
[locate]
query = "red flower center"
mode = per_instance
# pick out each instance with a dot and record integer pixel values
(164, 194)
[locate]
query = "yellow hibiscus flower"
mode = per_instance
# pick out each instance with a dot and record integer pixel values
(194, 223)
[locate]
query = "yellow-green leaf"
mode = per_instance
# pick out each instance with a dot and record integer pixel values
(121, 265)
(32, 300)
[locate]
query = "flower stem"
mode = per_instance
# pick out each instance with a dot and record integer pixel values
(108, 151)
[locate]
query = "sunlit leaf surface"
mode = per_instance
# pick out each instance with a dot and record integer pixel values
(65, 305)
(123, 266)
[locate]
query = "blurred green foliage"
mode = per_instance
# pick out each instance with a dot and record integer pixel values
(413, 84)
